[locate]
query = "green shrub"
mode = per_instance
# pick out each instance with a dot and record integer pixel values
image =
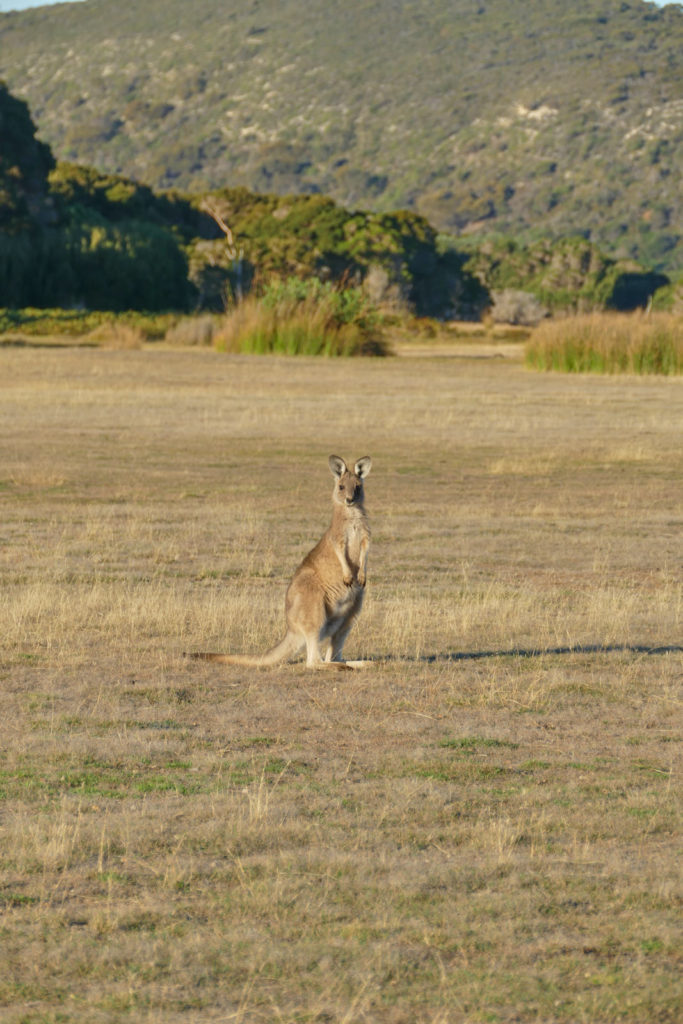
(341, 305)
(568, 275)
(77, 322)
(129, 265)
(296, 317)
(609, 343)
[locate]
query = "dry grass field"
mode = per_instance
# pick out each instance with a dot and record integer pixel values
(481, 827)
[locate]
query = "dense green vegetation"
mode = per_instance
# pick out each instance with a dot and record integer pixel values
(564, 120)
(66, 241)
(395, 255)
(74, 323)
(304, 317)
(75, 237)
(566, 275)
(24, 166)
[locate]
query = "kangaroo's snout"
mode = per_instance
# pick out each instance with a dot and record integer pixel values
(349, 490)
(352, 493)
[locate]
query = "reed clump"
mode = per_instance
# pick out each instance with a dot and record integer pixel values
(117, 334)
(609, 343)
(296, 317)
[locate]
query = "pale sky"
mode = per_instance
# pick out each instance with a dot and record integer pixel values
(20, 5)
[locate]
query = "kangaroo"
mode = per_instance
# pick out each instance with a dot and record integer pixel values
(326, 593)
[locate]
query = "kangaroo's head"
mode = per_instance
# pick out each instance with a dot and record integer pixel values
(348, 487)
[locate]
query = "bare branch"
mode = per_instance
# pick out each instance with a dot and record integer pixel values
(233, 255)
(213, 212)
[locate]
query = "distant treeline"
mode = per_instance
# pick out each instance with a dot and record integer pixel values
(73, 237)
(566, 119)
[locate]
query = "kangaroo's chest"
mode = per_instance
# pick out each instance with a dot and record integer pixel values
(356, 536)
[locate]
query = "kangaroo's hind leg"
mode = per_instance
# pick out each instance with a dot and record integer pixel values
(342, 629)
(306, 614)
(313, 653)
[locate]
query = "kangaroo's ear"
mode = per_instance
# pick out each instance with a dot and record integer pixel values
(362, 467)
(337, 465)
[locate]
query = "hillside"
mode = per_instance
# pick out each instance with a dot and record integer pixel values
(567, 120)
(72, 236)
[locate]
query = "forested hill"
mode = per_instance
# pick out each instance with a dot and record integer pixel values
(546, 118)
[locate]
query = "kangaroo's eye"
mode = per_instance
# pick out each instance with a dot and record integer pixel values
(341, 487)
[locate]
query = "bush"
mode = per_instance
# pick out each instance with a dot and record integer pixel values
(129, 265)
(511, 306)
(74, 323)
(192, 330)
(609, 343)
(35, 269)
(112, 267)
(297, 317)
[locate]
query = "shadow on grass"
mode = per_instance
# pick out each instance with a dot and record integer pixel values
(540, 652)
(65, 341)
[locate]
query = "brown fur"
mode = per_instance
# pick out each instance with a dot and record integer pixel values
(326, 593)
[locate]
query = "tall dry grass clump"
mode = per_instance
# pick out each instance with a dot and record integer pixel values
(609, 343)
(297, 317)
(192, 330)
(117, 334)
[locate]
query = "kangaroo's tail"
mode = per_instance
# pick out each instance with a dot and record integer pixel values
(285, 649)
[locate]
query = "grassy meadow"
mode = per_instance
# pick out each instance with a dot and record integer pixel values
(481, 827)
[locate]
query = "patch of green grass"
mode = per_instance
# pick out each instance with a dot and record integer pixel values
(162, 726)
(454, 771)
(647, 766)
(37, 323)
(469, 744)
(97, 777)
(14, 899)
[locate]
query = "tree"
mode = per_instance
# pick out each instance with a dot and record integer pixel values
(24, 166)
